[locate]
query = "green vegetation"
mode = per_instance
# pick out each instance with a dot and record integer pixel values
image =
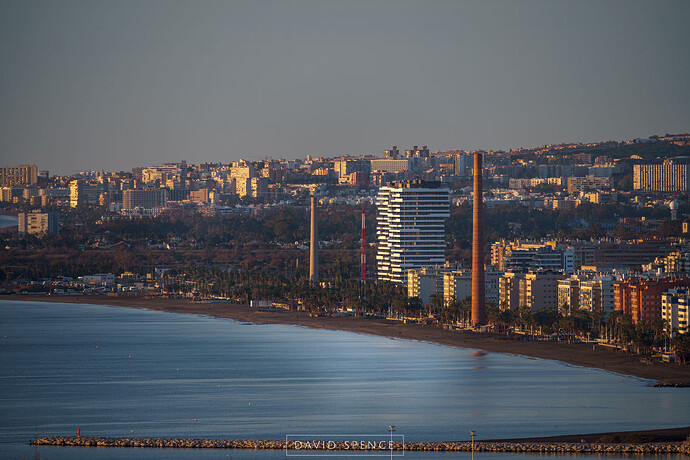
(321, 298)
(274, 242)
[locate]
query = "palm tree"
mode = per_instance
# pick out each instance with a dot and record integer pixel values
(525, 318)
(436, 304)
(659, 330)
(465, 307)
(546, 318)
(613, 326)
(597, 317)
(681, 346)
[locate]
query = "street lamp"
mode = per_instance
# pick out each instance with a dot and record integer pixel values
(391, 428)
(472, 435)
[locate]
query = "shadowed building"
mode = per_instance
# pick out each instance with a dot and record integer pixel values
(11, 176)
(146, 198)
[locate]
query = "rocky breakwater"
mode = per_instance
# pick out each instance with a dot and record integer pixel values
(553, 447)
(179, 443)
(480, 446)
(685, 448)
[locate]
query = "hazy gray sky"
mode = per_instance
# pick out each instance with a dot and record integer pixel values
(117, 84)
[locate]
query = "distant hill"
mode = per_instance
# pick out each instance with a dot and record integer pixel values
(650, 152)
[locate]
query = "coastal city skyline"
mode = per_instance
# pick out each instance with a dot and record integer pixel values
(416, 198)
(247, 228)
(569, 252)
(99, 85)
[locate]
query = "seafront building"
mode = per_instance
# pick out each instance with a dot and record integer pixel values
(426, 281)
(597, 295)
(587, 290)
(511, 291)
(675, 311)
(541, 289)
(569, 294)
(534, 290)
(457, 285)
(641, 298)
(410, 228)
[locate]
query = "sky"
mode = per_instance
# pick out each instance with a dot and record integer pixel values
(96, 84)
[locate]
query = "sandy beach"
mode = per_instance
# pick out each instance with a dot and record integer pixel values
(585, 355)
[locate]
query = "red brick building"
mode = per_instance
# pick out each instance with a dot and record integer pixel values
(641, 298)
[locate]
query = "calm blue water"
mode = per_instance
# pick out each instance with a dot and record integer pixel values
(117, 371)
(7, 221)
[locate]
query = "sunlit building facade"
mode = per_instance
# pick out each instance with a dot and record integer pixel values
(410, 228)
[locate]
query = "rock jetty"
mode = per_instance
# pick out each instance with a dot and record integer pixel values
(479, 446)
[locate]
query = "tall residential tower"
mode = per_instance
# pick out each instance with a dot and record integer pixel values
(411, 229)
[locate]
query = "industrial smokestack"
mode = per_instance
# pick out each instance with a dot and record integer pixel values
(363, 252)
(313, 243)
(478, 298)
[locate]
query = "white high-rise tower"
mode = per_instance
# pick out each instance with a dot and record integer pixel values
(410, 228)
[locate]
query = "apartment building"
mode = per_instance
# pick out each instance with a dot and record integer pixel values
(11, 176)
(410, 228)
(675, 310)
(665, 177)
(38, 223)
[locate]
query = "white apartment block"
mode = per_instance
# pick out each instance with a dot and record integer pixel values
(675, 311)
(410, 228)
(665, 177)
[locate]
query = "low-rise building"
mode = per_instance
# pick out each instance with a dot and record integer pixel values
(99, 278)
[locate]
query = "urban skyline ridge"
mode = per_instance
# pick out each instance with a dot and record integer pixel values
(547, 148)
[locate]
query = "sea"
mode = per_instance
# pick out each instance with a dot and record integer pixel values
(7, 221)
(116, 371)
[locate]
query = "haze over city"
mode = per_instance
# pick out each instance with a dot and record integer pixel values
(112, 85)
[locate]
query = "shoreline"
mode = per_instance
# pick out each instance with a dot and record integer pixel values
(578, 354)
